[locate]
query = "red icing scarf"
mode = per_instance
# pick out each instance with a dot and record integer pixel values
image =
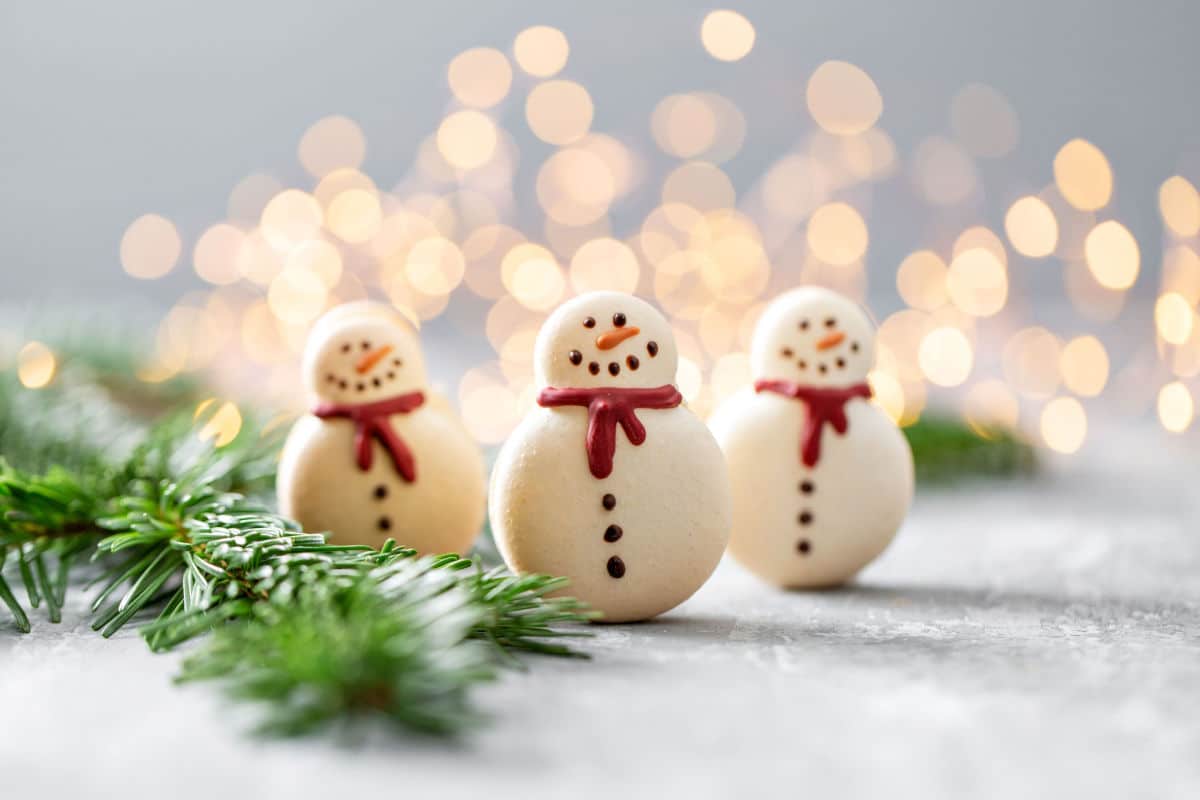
(824, 405)
(606, 407)
(371, 422)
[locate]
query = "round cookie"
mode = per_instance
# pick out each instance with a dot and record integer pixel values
(377, 458)
(822, 479)
(611, 481)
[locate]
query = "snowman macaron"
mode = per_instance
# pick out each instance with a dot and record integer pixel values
(822, 478)
(378, 457)
(611, 481)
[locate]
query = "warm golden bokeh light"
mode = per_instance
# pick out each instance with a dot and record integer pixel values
(945, 356)
(318, 257)
(290, 218)
(541, 50)
(1112, 255)
(434, 266)
(795, 186)
(223, 426)
(1179, 204)
(531, 273)
(480, 77)
(604, 264)
(354, 216)
(296, 296)
(1174, 318)
(1082, 175)
(250, 196)
(887, 393)
(575, 186)
(1181, 272)
(727, 35)
(921, 280)
(467, 139)
(977, 282)
(150, 247)
(700, 186)
(36, 365)
(1176, 407)
(843, 99)
(983, 121)
(332, 143)
(559, 111)
(683, 125)
(1064, 425)
(1031, 227)
(1084, 366)
(837, 234)
(215, 256)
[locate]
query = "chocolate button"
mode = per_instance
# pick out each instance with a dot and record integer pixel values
(804, 546)
(805, 517)
(609, 502)
(385, 524)
(612, 533)
(616, 567)
(380, 492)
(806, 487)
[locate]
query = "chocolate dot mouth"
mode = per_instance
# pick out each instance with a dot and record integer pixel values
(575, 357)
(841, 363)
(822, 368)
(594, 368)
(802, 364)
(652, 348)
(632, 362)
(614, 368)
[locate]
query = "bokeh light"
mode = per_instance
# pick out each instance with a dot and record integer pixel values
(541, 50)
(1083, 363)
(1174, 318)
(921, 280)
(1112, 255)
(332, 143)
(1064, 425)
(843, 99)
(727, 35)
(1031, 227)
(945, 356)
(36, 365)
(559, 111)
(291, 217)
(1082, 175)
(215, 256)
(480, 77)
(1179, 204)
(1175, 407)
(467, 139)
(150, 247)
(977, 282)
(837, 234)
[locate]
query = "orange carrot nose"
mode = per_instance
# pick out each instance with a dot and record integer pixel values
(368, 361)
(831, 340)
(610, 339)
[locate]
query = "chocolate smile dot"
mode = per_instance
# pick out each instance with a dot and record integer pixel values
(616, 567)
(331, 378)
(829, 323)
(575, 357)
(619, 319)
(786, 352)
(614, 368)
(343, 385)
(589, 323)
(360, 386)
(805, 518)
(612, 533)
(802, 364)
(806, 487)
(841, 363)
(609, 501)
(652, 348)
(397, 362)
(854, 347)
(391, 376)
(633, 362)
(822, 368)
(380, 492)
(366, 345)
(345, 348)
(376, 382)
(804, 546)
(385, 523)
(594, 368)
(803, 324)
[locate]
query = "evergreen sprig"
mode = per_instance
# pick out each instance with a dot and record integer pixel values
(319, 632)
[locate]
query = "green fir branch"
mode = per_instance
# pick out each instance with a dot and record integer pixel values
(946, 449)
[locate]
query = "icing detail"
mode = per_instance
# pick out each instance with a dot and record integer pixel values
(824, 405)
(371, 422)
(606, 408)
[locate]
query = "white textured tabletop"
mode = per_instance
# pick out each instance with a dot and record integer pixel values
(1028, 639)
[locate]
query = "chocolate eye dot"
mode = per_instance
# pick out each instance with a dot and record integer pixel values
(802, 364)
(803, 324)
(397, 362)
(829, 323)
(841, 363)
(345, 348)
(822, 368)
(652, 348)
(787, 352)
(391, 376)
(594, 368)
(614, 368)
(854, 347)
(633, 362)
(366, 345)
(575, 357)
(360, 387)
(619, 319)
(376, 382)
(589, 323)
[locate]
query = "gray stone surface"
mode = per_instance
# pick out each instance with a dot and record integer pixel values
(1027, 639)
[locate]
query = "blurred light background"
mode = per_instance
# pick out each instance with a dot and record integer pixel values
(1009, 188)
